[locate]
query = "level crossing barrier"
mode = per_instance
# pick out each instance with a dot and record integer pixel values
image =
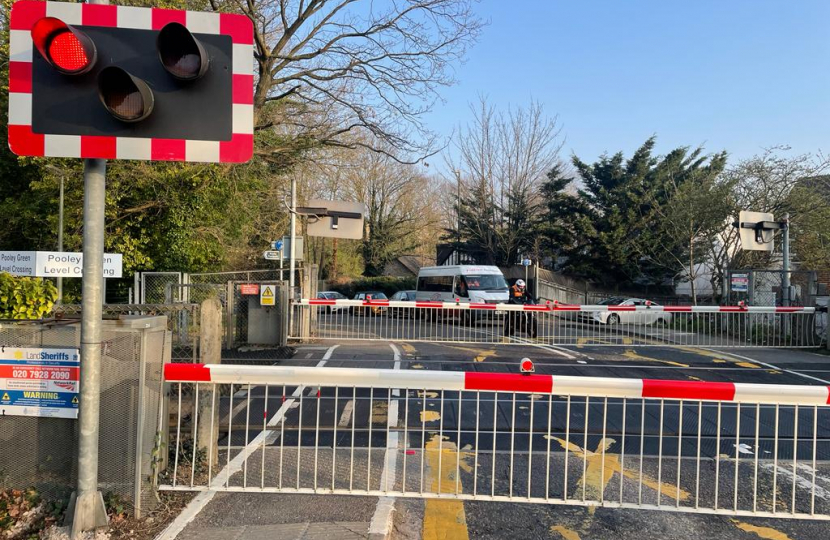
(557, 324)
(685, 446)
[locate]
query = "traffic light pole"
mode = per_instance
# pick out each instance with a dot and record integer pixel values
(88, 511)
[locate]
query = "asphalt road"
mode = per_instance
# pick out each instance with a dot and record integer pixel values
(426, 418)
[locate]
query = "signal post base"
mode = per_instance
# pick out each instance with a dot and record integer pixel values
(85, 513)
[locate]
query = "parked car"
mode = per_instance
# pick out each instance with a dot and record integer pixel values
(402, 296)
(627, 317)
(332, 295)
(369, 295)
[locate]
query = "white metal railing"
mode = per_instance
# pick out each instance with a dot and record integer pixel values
(688, 446)
(557, 324)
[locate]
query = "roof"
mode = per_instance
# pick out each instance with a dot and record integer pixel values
(411, 263)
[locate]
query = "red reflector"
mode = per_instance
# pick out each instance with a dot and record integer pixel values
(67, 52)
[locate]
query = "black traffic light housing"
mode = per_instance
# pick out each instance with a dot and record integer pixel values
(169, 85)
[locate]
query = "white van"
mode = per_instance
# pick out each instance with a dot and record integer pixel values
(469, 283)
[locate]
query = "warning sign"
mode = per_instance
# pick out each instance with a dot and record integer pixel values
(267, 295)
(39, 382)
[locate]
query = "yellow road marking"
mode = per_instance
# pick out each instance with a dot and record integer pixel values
(481, 354)
(768, 533)
(600, 469)
(408, 348)
(417, 366)
(380, 412)
(747, 365)
(564, 532)
(630, 353)
(719, 361)
(430, 416)
(421, 393)
(693, 378)
(444, 519)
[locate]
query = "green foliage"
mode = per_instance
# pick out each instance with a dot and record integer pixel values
(386, 284)
(617, 229)
(23, 298)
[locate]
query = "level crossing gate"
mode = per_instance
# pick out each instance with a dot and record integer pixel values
(558, 324)
(682, 446)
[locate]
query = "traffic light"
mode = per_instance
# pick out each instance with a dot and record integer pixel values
(120, 82)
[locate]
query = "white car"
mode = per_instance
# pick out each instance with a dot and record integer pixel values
(627, 317)
(332, 295)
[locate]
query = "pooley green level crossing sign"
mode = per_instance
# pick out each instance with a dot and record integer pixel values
(54, 264)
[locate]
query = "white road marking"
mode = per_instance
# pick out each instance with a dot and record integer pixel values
(765, 364)
(381, 524)
(800, 481)
(346, 417)
(199, 502)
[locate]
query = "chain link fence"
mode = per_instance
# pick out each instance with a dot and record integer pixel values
(41, 452)
(182, 322)
(765, 287)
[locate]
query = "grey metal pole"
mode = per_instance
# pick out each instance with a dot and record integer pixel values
(60, 241)
(88, 510)
(785, 277)
(292, 234)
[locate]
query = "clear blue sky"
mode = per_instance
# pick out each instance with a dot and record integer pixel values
(737, 75)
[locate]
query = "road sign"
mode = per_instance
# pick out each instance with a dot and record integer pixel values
(526, 262)
(276, 245)
(39, 382)
(249, 289)
(286, 242)
(55, 264)
(123, 82)
(337, 219)
(739, 282)
(272, 255)
(268, 295)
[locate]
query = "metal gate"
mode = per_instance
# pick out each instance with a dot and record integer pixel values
(683, 446)
(156, 287)
(557, 324)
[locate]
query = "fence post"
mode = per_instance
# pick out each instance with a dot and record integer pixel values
(210, 352)
(285, 311)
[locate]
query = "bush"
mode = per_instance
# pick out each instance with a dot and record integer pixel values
(26, 298)
(386, 284)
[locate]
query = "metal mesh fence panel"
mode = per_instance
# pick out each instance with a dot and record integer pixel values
(159, 287)
(41, 452)
(182, 322)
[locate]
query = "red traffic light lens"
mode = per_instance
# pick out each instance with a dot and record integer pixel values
(67, 52)
(65, 48)
(127, 98)
(180, 53)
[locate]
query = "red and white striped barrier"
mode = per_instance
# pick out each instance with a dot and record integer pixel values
(602, 387)
(552, 307)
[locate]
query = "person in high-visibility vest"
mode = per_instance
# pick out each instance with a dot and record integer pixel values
(525, 321)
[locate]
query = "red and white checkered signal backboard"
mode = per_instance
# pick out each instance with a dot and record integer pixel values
(234, 145)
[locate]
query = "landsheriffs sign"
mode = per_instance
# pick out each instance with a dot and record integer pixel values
(54, 264)
(39, 382)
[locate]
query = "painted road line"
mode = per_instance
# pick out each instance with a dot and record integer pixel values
(445, 518)
(346, 417)
(381, 525)
(199, 502)
(768, 365)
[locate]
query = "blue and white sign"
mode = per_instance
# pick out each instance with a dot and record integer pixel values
(740, 282)
(39, 382)
(276, 245)
(526, 262)
(55, 264)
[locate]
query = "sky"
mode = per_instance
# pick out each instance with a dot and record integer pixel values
(734, 75)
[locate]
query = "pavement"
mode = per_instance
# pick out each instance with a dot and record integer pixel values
(364, 425)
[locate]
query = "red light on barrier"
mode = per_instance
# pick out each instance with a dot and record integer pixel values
(65, 48)
(527, 366)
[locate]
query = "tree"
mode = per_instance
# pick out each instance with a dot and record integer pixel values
(503, 158)
(633, 222)
(690, 215)
(327, 69)
(766, 183)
